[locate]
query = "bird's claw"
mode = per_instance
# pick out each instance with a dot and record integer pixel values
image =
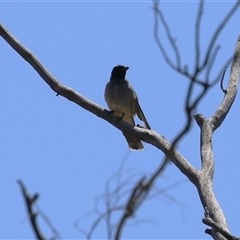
(111, 111)
(120, 118)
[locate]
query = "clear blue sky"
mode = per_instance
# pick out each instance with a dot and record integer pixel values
(67, 154)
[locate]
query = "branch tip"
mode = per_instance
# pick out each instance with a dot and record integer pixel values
(199, 118)
(221, 83)
(31, 214)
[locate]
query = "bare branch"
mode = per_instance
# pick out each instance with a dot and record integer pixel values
(133, 203)
(161, 192)
(113, 201)
(218, 31)
(31, 214)
(197, 34)
(208, 221)
(100, 217)
(229, 98)
(72, 95)
(169, 35)
(46, 219)
(216, 80)
(208, 126)
(159, 43)
(203, 179)
(145, 135)
(193, 175)
(143, 187)
(30, 201)
(210, 53)
(149, 136)
(221, 83)
(139, 194)
(210, 64)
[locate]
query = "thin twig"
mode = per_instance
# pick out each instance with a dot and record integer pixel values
(133, 202)
(218, 31)
(216, 79)
(210, 65)
(197, 34)
(221, 83)
(169, 35)
(157, 39)
(47, 220)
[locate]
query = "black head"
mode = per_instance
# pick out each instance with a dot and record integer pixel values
(119, 72)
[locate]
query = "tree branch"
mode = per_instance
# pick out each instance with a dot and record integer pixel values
(31, 214)
(197, 34)
(208, 126)
(229, 98)
(203, 184)
(146, 135)
(158, 13)
(218, 31)
(221, 83)
(208, 221)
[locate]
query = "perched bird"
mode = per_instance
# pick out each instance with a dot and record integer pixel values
(123, 101)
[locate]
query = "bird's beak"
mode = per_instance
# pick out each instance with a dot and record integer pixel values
(126, 68)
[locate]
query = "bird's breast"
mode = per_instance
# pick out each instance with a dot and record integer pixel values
(120, 98)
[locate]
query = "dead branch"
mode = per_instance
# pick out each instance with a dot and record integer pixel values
(221, 83)
(31, 214)
(199, 178)
(208, 221)
(207, 127)
(146, 135)
(141, 189)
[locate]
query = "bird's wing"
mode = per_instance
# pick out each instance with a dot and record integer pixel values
(141, 115)
(139, 111)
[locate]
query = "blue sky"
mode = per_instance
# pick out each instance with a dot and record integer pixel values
(67, 154)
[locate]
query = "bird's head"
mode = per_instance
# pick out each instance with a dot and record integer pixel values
(119, 73)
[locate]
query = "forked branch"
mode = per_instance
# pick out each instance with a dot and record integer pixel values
(31, 214)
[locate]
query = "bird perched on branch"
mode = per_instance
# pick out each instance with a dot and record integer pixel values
(123, 101)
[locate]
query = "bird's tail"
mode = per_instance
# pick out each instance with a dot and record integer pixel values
(134, 143)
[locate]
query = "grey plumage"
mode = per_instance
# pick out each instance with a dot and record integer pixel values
(122, 99)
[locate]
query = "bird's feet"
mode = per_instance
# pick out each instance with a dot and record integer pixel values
(111, 111)
(120, 118)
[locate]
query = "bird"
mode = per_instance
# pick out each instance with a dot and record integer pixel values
(122, 100)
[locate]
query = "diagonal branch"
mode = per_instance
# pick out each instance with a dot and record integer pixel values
(229, 98)
(148, 136)
(134, 201)
(158, 14)
(208, 221)
(151, 137)
(31, 214)
(169, 35)
(218, 31)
